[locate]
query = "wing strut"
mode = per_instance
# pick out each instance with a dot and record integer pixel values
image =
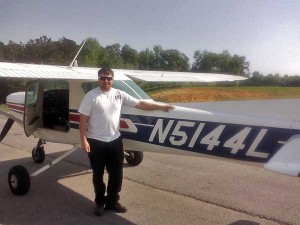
(19, 179)
(54, 161)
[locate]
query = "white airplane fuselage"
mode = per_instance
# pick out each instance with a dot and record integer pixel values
(55, 118)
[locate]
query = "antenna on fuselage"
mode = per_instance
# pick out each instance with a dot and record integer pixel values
(74, 62)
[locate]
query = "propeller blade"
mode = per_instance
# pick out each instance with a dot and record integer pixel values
(6, 128)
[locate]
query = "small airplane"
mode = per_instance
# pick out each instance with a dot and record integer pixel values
(48, 110)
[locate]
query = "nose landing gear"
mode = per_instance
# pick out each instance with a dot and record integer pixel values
(38, 152)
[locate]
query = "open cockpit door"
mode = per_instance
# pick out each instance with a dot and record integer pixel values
(33, 108)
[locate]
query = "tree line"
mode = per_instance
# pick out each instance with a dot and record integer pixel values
(44, 50)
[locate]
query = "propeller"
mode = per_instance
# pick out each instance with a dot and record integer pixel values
(6, 128)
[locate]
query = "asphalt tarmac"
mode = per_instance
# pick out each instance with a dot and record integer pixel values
(163, 189)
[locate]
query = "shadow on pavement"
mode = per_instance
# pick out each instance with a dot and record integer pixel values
(50, 200)
(244, 222)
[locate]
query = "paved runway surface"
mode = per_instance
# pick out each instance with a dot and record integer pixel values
(164, 189)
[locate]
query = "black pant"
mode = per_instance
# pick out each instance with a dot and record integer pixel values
(111, 155)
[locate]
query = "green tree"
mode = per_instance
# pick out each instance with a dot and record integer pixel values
(90, 53)
(173, 60)
(158, 62)
(204, 62)
(13, 52)
(111, 56)
(291, 81)
(256, 78)
(38, 51)
(239, 66)
(146, 60)
(160, 59)
(10, 85)
(272, 80)
(55, 54)
(66, 49)
(2, 51)
(130, 57)
(220, 63)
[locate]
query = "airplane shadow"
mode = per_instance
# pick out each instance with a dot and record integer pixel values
(244, 222)
(49, 200)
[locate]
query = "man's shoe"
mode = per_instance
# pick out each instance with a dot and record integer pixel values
(99, 209)
(116, 207)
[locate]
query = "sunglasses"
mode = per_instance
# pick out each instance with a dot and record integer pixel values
(105, 78)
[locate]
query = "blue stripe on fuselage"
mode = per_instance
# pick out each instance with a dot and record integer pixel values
(254, 143)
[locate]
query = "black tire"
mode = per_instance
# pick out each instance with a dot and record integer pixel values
(38, 154)
(19, 180)
(134, 158)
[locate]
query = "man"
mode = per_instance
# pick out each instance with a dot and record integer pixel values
(100, 112)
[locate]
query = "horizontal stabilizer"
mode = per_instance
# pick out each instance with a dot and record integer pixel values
(287, 159)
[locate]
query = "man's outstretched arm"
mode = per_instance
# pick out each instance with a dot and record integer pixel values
(145, 105)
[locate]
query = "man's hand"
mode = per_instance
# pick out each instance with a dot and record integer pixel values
(85, 146)
(167, 108)
(145, 105)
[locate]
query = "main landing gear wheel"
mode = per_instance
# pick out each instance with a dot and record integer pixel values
(19, 180)
(38, 154)
(134, 158)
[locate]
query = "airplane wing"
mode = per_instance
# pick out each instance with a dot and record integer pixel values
(21, 70)
(166, 76)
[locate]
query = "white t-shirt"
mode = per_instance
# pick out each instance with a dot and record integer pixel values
(104, 111)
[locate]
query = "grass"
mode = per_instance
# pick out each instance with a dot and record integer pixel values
(207, 94)
(204, 94)
(3, 108)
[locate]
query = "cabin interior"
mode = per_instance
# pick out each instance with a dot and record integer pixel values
(56, 106)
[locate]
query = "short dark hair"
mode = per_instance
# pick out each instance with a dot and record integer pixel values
(105, 71)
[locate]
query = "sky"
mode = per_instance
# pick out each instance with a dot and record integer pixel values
(265, 32)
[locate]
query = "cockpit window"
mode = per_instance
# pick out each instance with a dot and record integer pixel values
(125, 85)
(131, 88)
(87, 86)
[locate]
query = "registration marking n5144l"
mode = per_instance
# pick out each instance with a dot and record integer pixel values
(178, 137)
